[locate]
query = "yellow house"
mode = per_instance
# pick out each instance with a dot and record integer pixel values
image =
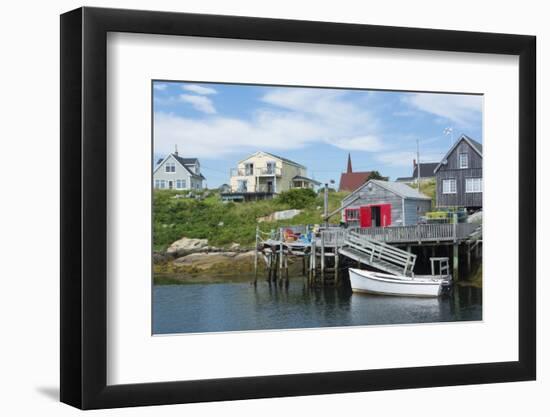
(263, 174)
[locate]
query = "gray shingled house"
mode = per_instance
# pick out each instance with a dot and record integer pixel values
(459, 175)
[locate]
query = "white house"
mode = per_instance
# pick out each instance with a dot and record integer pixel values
(262, 174)
(177, 173)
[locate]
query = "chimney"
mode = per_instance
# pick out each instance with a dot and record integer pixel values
(349, 171)
(414, 163)
(176, 150)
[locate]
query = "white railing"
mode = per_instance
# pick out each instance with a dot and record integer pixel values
(333, 236)
(269, 171)
(378, 251)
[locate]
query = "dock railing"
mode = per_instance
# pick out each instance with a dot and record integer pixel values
(418, 233)
(333, 236)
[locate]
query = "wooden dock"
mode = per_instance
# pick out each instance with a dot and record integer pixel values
(323, 252)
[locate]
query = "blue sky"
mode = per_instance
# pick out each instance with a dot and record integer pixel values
(223, 123)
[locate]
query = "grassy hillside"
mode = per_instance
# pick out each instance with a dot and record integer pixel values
(225, 223)
(427, 187)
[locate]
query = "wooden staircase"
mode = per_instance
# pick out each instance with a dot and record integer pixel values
(378, 255)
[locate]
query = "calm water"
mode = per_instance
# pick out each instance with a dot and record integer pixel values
(239, 306)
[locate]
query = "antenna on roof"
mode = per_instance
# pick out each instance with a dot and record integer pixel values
(448, 131)
(176, 149)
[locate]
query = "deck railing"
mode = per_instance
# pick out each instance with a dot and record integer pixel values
(418, 233)
(333, 236)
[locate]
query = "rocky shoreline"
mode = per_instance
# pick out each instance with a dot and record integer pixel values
(190, 258)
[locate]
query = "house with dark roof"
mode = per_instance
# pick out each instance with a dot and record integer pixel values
(177, 173)
(263, 175)
(459, 175)
(350, 181)
(426, 172)
(380, 203)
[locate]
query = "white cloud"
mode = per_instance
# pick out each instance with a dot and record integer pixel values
(359, 143)
(290, 119)
(399, 159)
(200, 103)
(463, 110)
(198, 89)
(159, 87)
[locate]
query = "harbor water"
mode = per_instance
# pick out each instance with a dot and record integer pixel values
(240, 306)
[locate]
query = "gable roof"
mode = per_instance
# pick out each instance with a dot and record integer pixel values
(276, 157)
(186, 161)
(350, 181)
(476, 146)
(183, 163)
(302, 178)
(426, 169)
(399, 188)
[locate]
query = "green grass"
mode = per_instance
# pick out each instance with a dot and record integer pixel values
(427, 187)
(225, 223)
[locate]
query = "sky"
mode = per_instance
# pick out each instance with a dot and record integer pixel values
(222, 124)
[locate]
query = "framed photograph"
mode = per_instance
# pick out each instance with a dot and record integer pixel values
(256, 208)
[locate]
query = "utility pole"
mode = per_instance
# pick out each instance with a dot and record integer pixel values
(325, 212)
(418, 163)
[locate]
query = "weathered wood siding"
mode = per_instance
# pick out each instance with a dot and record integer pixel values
(379, 195)
(451, 170)
(414, 209)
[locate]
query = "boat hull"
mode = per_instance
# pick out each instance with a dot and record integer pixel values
(384, 284)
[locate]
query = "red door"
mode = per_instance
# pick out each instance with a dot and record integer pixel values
(365, 219)
(385, 214)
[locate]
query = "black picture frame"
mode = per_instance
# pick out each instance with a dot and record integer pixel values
(84, 207)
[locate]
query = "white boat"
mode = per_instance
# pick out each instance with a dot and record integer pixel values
(386, 284)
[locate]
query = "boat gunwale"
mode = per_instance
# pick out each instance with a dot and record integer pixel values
(397, 280)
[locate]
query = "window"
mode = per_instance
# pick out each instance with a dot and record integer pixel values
(474, 185)
(160, 184)
(170, 167)
(242, 186)
(180, 184)
(270, 168)
(463, 160)
(248, 169)
(352, 215)
(449, 186)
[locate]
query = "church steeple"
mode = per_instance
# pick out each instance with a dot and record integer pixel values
(349, 171)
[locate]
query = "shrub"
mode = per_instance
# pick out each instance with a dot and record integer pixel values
(297, 198)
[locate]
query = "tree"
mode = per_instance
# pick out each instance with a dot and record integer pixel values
(375, 175)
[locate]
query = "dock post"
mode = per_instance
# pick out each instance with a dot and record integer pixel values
(455, 261)
(323, 257)
(256, 259)
(336, 265)
(313, 261)
(286, 271)
(269, 266)
(469, 257)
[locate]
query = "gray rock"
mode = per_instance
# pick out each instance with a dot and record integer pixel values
(186, 245)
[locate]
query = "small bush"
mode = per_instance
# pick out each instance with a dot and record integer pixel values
(297, 198)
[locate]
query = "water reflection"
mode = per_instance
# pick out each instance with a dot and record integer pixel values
(241, 306)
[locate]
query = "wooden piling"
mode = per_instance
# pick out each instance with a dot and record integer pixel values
(256, 258)
(469, 257)
(336, 265)
(455, 261)
(323, 257)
